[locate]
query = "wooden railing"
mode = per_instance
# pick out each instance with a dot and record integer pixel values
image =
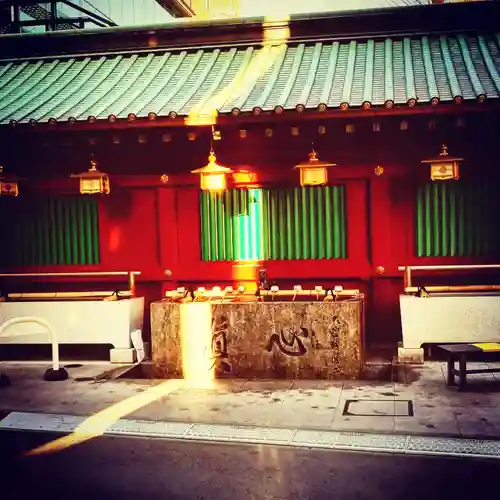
(55, 295)
(409, 288)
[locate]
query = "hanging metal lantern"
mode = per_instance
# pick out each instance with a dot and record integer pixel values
(93, 181)
(8, 185)
(212, 175)
(314, 172)
(444, 166)
(243, 178)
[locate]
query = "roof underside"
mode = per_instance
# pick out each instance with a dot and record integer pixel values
(346, 74)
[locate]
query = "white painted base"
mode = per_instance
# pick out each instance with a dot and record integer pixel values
(75, 322)
(123, 355)
(449, 318)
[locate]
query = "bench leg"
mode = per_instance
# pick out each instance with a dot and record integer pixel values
(462, 367)
(450, 380)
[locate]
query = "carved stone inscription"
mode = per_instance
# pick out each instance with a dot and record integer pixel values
(305, 340)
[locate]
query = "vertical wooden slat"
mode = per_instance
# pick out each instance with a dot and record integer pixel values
(461, 222)
(321, 227)
(336, 228)
(297, 233)
(244, 225)
(343, 223)
(82, 254)
(428, 225)
(289, 226)
(445, 222)
(328, 221)
(454, 220)
(96, 250)
(219, 214)
(436, 223)
(306, 247)
(490, 228)
(266, 250)
(228, 234)
(74, 224)
(204, 227)
(214, 235)
(88, 233)
(255, 224)
(310, 226)
(54, 231)
(478, 220)
(66, 256)
(282, 223)
(46, 230)
(420, 228)
(32, 239)
(236, 229)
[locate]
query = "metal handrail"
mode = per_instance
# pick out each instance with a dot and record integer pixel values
(39, 321)
(408, 269)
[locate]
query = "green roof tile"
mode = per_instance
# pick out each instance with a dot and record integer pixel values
(250, 79)
(329, 73)
(369, 68)
(389, 73)
(151, 96)
(305, 77)
(488, 61)
(430, 74)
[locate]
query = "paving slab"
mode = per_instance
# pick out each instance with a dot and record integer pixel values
(478, 421)
(374, 406)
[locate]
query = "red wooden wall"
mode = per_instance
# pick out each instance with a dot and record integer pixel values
(152, 227)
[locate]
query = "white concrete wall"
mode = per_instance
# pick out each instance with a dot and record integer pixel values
(75, 322)
(440, 319)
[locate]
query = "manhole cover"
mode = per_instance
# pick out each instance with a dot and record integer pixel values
(378, 408)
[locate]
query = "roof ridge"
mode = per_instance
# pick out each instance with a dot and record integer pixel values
(309, 40)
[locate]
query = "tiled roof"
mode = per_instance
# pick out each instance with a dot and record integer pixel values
(345, 74)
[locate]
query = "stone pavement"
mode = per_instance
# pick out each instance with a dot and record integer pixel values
(418, 402)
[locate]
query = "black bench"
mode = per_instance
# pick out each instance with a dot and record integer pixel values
(468, 352)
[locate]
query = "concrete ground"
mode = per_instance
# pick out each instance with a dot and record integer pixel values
(418, 402)
(136, 468)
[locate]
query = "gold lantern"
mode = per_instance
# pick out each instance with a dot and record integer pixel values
(314, 172)
(444, 166)
(244, 178)
(93, 181)
(8, 185)
(212, 175)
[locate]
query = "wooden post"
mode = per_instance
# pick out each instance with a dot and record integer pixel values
(407, 277)
(131, 283)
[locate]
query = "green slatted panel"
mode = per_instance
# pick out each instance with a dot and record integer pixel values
(456, 220)
(285, 224)
(231, 225)
(49, 231)
(310, 223)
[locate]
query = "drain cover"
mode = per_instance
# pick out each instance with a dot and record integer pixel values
(378, 408)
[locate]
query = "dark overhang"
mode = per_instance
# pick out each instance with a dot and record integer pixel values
(404, 21)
